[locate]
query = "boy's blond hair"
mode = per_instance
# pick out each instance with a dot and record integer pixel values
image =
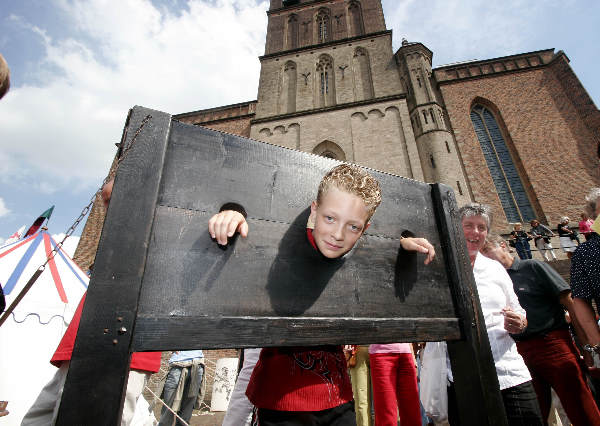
(354, 180)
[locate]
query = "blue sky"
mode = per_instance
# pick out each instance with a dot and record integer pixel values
(77, 66)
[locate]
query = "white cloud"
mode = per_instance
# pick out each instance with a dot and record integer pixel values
(63, 130)
(3, 209)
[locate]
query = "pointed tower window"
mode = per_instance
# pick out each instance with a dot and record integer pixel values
(356, 20)
(323, 27)
(505, 175)
(326, 89)
(292, 31)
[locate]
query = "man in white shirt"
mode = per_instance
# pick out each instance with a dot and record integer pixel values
(503, 315)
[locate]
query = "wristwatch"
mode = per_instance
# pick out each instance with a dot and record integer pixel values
(591, 348)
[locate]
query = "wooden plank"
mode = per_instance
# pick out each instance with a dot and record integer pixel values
(259, 275)
(164, 333)
(475, 380)
(94, 389)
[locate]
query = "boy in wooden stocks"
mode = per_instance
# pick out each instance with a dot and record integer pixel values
(310, 385)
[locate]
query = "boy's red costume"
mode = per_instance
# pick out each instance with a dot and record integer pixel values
(300, 378)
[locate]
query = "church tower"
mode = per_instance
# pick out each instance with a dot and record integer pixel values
(329, 84)
(438, 151)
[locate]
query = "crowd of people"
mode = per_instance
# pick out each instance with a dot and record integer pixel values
(541, 235)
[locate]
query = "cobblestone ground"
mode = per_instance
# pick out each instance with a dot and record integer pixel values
(207, 419)
(203, 418)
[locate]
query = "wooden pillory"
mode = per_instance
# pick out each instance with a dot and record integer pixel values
(161, 283)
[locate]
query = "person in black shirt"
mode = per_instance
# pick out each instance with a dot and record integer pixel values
(521, 240)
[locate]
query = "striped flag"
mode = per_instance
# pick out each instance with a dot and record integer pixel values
(38, 222)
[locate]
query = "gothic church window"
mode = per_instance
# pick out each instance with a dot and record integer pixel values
(356, 20)
(363, 83)
(508, 183)
(325, 81)
(323, 25)
(425, 117)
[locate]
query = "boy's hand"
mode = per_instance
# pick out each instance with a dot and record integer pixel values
(420, 245)
(225, 224)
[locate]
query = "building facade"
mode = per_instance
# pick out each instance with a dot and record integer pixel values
(519, 132)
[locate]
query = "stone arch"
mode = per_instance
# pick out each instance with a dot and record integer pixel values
(356, 19)
(359, 115)
(376, 113)
(292, 33)
(325, 81)
(265, 132)
(504, 164)
(323, 27)
(361, 67)
(288, 87)
(279, 129)
(330, 150)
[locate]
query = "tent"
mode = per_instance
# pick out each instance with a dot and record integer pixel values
(31, 334)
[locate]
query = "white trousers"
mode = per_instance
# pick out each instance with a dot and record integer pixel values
(544, 248)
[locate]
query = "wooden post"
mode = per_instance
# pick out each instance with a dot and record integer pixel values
(95, 385)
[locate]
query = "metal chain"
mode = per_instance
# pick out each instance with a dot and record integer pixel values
(88, 207)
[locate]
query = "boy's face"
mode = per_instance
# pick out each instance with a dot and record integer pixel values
(340, 219)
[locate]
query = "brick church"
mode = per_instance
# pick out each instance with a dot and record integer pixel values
(517, 132)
